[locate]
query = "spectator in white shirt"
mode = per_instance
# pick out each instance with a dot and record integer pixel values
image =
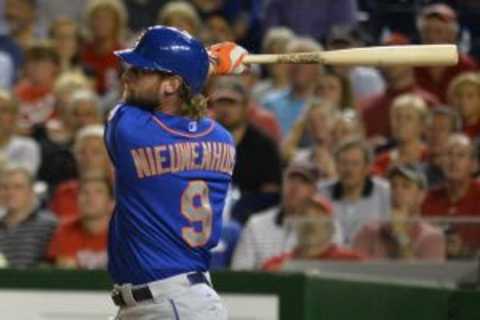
(17, 150)
(357, 197)
(267, 234)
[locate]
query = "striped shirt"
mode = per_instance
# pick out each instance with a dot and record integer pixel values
(26, 244)
(265, 235)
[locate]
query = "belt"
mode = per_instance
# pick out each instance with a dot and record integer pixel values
(143, 293)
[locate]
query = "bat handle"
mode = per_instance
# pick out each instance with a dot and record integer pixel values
(306, 58)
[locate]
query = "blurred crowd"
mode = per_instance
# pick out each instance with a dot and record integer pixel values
(342, 163)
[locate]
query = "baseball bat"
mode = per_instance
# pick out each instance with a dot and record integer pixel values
(408, 55)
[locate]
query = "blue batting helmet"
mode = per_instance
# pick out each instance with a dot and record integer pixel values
(170, 50)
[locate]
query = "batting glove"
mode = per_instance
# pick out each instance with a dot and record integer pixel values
(226, 58)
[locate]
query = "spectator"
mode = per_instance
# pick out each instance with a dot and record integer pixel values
(346, 125)
(407, 117)
(335, 88)
(51, 10)
(441, 123)
(315, 129)
(217, 29)
(315, 232)
(357, 197)
(437, 24)
(142, 13)
(83, 110)
(274, 42)
(91, 161)
(405, 237)
(458, 197)
(58, 163)
(22, 151)
(288, 104)
(34, 91)
(23, 29)
(181, 15)
(464, 95)
(67, 40)
(267, 234)
(310, 18)
(257, 114)
(82, 242)
(106, 22)
(258, 180)
(400, 80)
(25, 230)
(365, 81)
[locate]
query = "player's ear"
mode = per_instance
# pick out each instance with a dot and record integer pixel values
(171, 85)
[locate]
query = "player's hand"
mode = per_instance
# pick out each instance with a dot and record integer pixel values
(226, 58)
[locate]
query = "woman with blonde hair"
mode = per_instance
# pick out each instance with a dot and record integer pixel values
(464, 96)
(181, 15)
(408, 117)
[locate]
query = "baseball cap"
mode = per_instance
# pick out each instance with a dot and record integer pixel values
(411, 172)
(441, 11)
(304, 169)
(231, 88)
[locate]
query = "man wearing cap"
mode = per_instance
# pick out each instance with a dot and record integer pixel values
(268, 234)
(315, 231)
(437, 24)
(257, 172)
(406, 236)
(173, 166)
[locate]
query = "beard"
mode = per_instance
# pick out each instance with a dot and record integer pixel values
(146, 101)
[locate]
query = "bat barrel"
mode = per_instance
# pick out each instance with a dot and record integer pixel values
(411, 55)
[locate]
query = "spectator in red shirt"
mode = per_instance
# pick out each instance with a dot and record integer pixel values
(106, 21)
(437, 24)
(82, 242)
(315, 230)
(400, 80)
(407, 117)
(405, 237)
(91, 160)
(34, 90)
(459, 196)
(464, 95)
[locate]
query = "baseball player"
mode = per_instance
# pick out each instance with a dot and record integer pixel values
(173, 168)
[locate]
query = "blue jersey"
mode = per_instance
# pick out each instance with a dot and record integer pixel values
(171, 178)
